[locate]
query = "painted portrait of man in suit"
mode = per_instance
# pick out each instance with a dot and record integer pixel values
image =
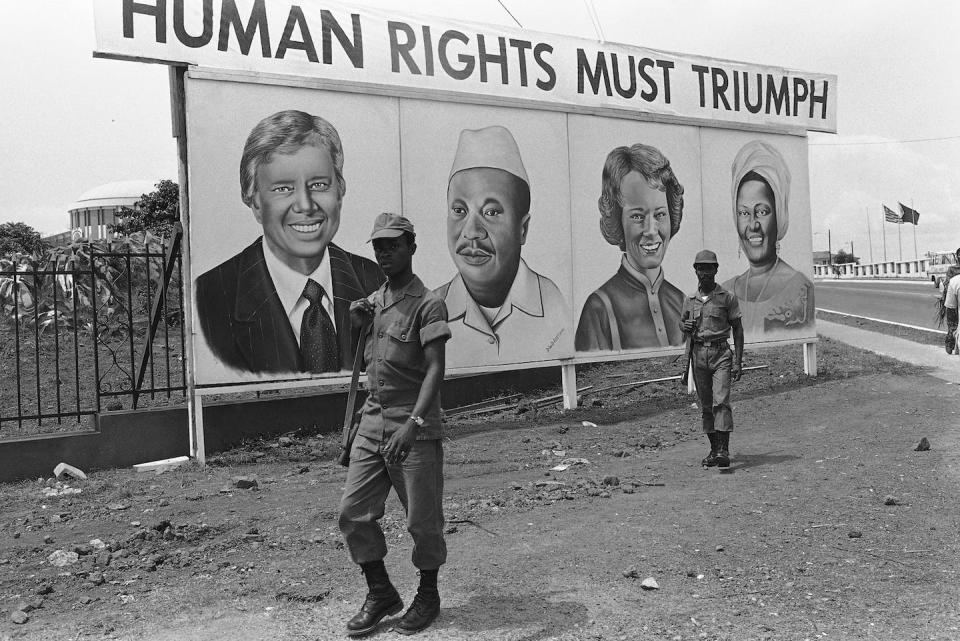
(281, 305)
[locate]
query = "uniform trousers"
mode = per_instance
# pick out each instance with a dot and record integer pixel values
(418, 481)
(711, 374)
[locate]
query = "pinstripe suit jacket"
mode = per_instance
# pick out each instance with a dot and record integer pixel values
(245, 325)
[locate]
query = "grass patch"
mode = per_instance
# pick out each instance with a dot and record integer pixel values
(907, 333)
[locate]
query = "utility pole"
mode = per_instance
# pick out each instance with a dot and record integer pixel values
(829, 250)
(853, 255)
(866, 210)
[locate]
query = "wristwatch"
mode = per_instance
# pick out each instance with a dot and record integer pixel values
(418, 420)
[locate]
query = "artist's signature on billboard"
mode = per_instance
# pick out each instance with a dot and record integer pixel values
(554, 341)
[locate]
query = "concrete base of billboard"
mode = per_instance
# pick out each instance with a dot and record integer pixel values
(128, 437)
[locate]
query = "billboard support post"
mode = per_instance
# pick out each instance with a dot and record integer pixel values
(810, 359)
(178, 109)
(568, 377)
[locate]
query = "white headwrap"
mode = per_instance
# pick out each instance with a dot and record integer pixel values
(765, 160)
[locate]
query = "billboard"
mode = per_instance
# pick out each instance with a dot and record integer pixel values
(559, 223)
(550, 236)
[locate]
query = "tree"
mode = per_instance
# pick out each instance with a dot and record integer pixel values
(19, 237)
(842, 257)
(155, 212)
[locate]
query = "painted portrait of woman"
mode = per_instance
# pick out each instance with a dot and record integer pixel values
(773, 295)
(641, 206)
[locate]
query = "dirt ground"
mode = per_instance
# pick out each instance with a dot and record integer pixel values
(828, 525)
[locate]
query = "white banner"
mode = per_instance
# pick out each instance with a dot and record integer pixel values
(404, 55)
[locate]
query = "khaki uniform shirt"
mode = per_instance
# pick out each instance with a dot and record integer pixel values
(713, 315)
(403, 323)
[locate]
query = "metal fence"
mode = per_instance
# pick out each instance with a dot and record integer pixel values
(88, 327)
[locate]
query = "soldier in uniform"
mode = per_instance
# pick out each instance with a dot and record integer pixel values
(398, 443)
(706, 319)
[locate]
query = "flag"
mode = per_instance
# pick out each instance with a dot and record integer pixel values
(891, 216)
(909, 215)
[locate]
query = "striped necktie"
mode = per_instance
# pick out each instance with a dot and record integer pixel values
(319, 348)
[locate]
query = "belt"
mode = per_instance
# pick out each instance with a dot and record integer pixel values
(717, 342)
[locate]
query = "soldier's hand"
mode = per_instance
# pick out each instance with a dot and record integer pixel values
(736, 371)
(360, 311)
(400, 443)
(688, 325)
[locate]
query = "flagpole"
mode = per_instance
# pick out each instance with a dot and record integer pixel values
(914, 216)
(900, 239)
(866, 211)
(883, 230)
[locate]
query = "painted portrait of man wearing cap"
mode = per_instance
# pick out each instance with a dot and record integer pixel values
(282, 304)
(501, 311)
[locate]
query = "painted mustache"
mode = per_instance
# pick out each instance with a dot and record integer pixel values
(473, 250)
(473, 254)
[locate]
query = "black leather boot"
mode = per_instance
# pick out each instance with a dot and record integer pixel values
(382, 600)
(425, 607)
(711, 459)
(723, 451)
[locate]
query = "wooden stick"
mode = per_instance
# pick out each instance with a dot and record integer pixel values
(658, 380)
(556, 398)
(483, 404)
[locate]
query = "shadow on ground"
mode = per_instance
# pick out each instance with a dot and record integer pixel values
(531, 617)
(744, 461)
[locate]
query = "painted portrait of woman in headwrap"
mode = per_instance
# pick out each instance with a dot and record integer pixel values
(773, 295)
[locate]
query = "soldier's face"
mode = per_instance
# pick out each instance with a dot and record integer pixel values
(394, 255)
(706, 275)
(757, 222)
(646, 221)
(298, 203)
(485, 228)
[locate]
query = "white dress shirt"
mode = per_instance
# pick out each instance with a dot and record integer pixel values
(290, 284)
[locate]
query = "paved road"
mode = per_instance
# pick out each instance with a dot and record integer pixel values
(900, 302)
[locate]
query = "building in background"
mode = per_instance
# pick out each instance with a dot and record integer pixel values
(58, 240)
(95, 210)
(821, 258)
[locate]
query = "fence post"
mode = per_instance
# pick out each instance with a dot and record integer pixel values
(94, 306)
(158, 304)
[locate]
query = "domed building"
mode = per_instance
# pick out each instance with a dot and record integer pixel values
(97, 208)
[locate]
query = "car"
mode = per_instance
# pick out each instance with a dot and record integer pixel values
(937, 268)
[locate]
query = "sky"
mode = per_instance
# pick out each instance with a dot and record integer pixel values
(71, 122)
